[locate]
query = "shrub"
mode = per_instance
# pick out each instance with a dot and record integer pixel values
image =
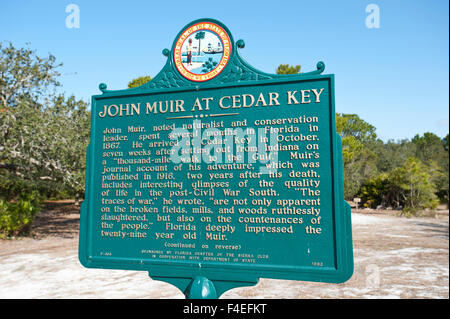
(16, 217)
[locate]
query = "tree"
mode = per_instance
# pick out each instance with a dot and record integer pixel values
(43, 135)
(433, 152)
(353, 125)
(288, 69)
(199, 36)
(359, 160)
(24, 75)
(417, 190)
(429, 147)
(139, 81)
(445, 143)
(392, 154)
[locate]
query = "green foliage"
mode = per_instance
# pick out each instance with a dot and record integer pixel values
(359, 159)
(409, 186)
(139, 81)
(392, 154)
(288, 69)
(411, 174)
(445, 143)
(429, 147)
(433, 152)
(417, 191)
(353, 125)
(43, 135)
(16, 217)
(379, 190)
(25, 76)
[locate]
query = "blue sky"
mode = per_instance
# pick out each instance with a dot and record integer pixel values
(395, 77)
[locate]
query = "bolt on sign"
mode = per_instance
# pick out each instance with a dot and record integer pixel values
(215, 174)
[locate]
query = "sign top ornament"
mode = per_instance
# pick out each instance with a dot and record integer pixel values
(205, 54)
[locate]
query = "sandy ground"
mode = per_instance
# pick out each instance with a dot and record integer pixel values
(395, 257)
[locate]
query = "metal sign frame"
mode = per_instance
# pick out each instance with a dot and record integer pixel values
(211, 279)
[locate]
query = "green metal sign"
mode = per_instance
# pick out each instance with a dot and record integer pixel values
(215, 174)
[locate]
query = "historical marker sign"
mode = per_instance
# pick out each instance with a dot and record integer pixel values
(217, 172)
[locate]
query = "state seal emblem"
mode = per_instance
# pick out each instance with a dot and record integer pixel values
(202, 51)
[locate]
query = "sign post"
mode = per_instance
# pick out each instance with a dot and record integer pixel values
(214, 174)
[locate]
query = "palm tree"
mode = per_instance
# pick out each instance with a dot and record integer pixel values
(199, 35)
